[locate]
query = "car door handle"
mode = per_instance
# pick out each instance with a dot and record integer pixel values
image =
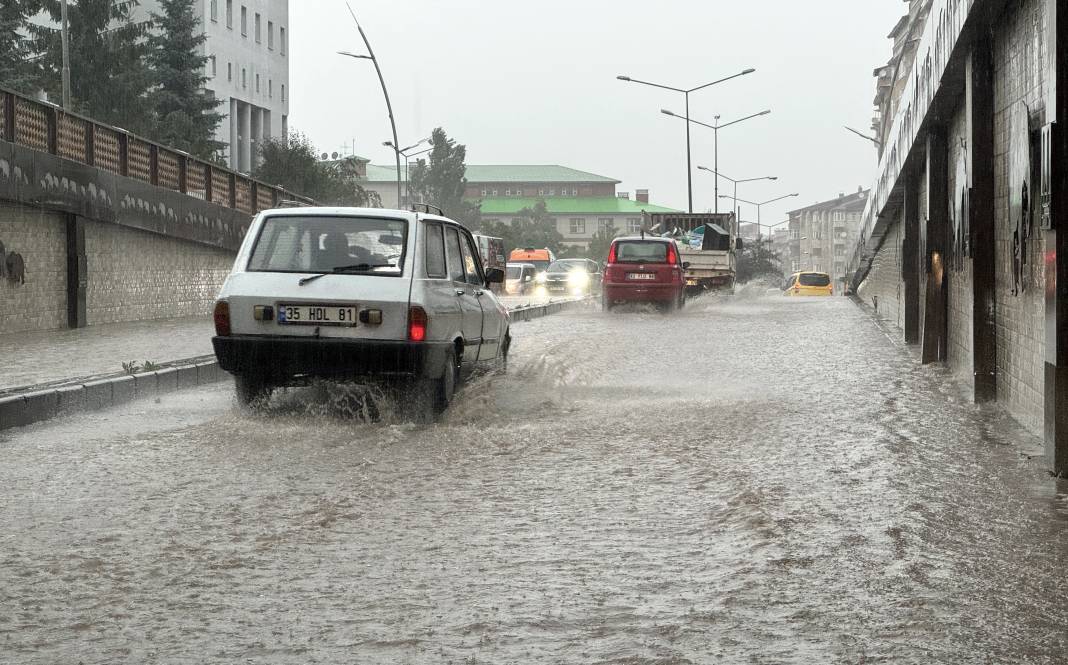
(461, 292)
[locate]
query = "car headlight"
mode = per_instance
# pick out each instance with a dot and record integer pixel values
(540, 279)
(578, 279)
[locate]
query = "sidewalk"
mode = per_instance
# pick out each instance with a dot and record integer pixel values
(33, 359)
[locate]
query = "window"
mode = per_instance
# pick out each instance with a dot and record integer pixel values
(574, 192)
(541, 192)
(605, 224)
(282, 39)
(471, 264)
(257, 27)
(270, 88)
(230, 14)
(257, 82)
(578, 226)
(507, 192)
(229, 71)
(215, 10)
(552, 191)
(634, 226)
(641, 251)
(796, 266)
(244, 21)
(435, 251)
(452, 251)
(270, 35)
(283, 92)
(495, 192)
(213, 66)
(483, 193)
(321, 244)
(244, 77)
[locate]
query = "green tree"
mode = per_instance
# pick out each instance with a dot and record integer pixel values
(109, 77)
(531, 227)
(758, 259)
(19, 71)
(186, 114)
(441, 180)
(601, 242)
(293, 164)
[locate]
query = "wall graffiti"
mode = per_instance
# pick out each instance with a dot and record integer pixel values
(1020, 208)
(960, 243)
(12, 266)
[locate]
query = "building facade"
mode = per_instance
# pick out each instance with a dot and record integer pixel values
(580, 203)
(822, 236)
(964, 246)
(248, 71)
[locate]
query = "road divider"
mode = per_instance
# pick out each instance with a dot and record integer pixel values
(21, 407)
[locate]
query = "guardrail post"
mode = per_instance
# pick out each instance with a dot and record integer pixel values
(124, 153)
(52, 120)
(90, 143)
(153, 164)
(183, 164)
(9, 117)
(233, 191)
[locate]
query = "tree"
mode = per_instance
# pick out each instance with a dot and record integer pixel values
(757, 259)
(292, 163)
(601, 242)
(18, 70)
(186, 114)
(531, 227)
(109, 78)
(441, 182)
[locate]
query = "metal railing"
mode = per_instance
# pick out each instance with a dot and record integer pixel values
(46, 127)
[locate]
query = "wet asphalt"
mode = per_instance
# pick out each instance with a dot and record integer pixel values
(749, 481)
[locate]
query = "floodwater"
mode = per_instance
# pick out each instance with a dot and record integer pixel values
(762, 481)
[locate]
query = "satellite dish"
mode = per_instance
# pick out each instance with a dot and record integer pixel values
(334, 156)
(325, 156)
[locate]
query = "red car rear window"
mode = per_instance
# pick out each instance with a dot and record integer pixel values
(637, 251)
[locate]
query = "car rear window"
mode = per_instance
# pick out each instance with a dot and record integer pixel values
(567, 265)
(367, 245)
(810, 279)
(637, 251)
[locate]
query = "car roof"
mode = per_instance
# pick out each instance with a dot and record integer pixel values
(648, 238)
(336, 211)
(811, 272)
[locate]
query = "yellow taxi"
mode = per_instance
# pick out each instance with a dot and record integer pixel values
(809, 284)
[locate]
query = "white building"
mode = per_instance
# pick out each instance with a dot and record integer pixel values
(248, 70)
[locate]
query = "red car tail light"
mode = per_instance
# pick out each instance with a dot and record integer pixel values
(222, 318)
(612, 254)
(672, 255)
(417, 324)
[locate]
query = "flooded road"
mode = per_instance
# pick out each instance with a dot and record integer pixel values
(763, 481)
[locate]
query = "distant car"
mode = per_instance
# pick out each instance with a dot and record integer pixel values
(519, 279)
(644, 269)
(572, 277)
(808, 284)
(541, 258)
(387, 295)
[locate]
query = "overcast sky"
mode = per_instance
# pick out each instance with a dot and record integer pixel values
(535, 83)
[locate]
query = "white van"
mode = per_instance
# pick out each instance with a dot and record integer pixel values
(358, 293)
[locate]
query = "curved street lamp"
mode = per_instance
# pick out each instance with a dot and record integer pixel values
(686, 92)
(736, 183)
(385, 93)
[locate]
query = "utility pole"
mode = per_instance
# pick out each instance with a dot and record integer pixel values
(66, 58)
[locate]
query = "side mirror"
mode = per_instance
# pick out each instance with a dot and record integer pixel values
(685, 265)
(495, 276)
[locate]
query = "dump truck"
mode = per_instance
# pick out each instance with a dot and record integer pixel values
(708, 242)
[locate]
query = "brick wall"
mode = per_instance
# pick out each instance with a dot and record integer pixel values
(959, 286)
(884, 280)
(41, 238)
(135, 275)
(1019, 65)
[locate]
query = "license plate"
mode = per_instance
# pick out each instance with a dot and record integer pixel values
(640, 275)
(317, 315)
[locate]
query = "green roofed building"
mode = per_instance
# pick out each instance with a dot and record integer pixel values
(581, 202)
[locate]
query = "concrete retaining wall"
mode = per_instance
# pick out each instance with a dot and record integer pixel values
(41, 238)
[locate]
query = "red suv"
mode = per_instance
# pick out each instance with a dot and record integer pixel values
(644, 270)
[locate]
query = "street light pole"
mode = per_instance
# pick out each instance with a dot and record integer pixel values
(686, 93)
(764, 203)
(404, 151)
(715, 128)
(385, 93)
(719, 175)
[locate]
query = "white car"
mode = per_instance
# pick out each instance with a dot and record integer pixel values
(358, 293)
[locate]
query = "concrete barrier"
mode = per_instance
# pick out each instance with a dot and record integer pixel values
(38, 403)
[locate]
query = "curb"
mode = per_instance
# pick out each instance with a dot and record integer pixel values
(27, 408)
(43, 403)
